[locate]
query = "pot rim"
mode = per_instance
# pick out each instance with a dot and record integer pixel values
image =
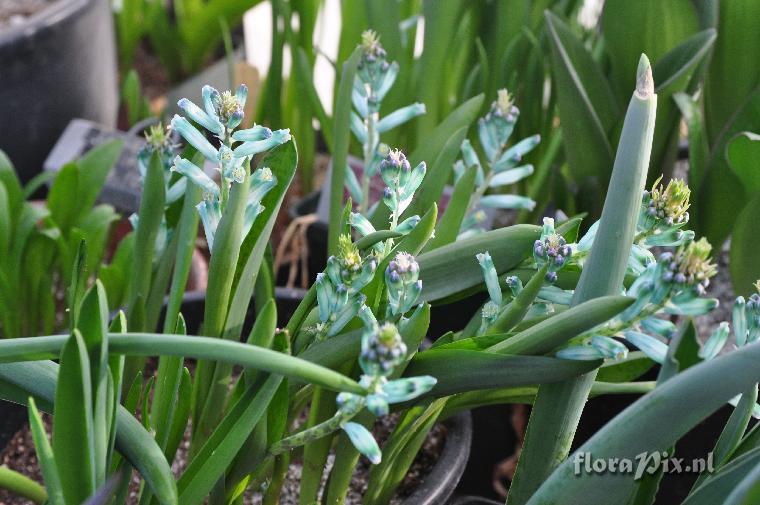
(42, 21)
(439, 484)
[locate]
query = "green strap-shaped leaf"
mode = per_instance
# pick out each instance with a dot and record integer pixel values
(586, 104)
(451, 222)
(73, 431)
(45, 456)
(38, 379)
(508, 247)
(684, 400)
(459, 370)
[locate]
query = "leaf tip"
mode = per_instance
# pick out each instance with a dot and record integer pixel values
(644, 79)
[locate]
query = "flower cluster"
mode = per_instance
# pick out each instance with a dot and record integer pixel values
(551, 249)
(375, 77)
(401, 181)
(402, 283)
(689, 266)
(383, 349)
(501, 168)
(674, 285)
(222, 113)
(666, 207)
(339, 296)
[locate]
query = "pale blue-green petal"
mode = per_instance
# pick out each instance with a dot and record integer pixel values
(353, 185)
(511, 176)
(402, 390)
(358, 128)
(259, 146)
(388, 79)
(653, 348)
(198, 115)
(716, 342)
(659, 326)
(196, 175)
(364, 442)
(400, 116)
(739, 320)
(253, 134)
(194, 137)
(210, 95)
(507, 202)
(361, 224)
(514, 154)
(210, 216)
(556, 295)
(693, 307)
(609, 347)
(242, 94)
(407, 224)
(579, 353)
(488, 139)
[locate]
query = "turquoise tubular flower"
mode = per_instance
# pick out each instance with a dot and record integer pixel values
(609, 347)
(211, 123)
(364, 442)
(242, 94)
(259, 146)
(400, 116)
(361, 224)
(402, 390)
(408, 224)
(196, 175)
(262, 181)
(210, 213)
(491, 277)
(194, 138)
(716, 342)
(252, 134)
(579, 353)
(650, 346)
(739, 319)
(210, 97)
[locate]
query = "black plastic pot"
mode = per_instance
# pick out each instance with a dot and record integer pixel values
(439, 485)
(58, 65)
(473, 500)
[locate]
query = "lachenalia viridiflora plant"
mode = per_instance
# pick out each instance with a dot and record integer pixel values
(221, 115)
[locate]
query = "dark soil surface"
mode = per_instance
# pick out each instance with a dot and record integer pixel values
(20, 455)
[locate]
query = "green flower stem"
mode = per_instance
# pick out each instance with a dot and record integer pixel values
(369, 154)
(558, 406)
(207, 348)
(21, 485)
(318, 431)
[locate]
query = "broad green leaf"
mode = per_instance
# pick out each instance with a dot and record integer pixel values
(150, 215)
(62, 198)
(684, 400)
(460, 370)
(646, 26)
(722, 195)
(718, 486)
(734, 70)
(45, 456)
(451, 222)
(73, 442)
(342, 138)
(93, 171)
(744, 263)
(508, 247)
(558, 330)
(217, 453)
(203, 348)
(9, 179)
(586, 105)
(743, 153)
